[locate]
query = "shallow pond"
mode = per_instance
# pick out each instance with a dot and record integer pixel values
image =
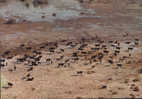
(64, 10)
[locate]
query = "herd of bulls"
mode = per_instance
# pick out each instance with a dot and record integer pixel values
(97, 52)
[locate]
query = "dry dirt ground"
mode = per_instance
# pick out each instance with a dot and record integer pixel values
(77, 58)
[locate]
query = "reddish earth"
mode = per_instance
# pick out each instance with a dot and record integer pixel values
(82, 78)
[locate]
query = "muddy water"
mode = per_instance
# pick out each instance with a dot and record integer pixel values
(64, 9)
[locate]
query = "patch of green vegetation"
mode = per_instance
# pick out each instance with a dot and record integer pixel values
(3, 82)
(140, 76)
(135, 6)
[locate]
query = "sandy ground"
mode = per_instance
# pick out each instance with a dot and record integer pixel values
(59, 74)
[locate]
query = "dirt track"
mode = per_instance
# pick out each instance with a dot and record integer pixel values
(81, 78)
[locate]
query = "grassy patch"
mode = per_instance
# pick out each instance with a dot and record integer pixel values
(3, 82)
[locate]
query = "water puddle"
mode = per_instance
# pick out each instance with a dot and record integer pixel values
(63, 10)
